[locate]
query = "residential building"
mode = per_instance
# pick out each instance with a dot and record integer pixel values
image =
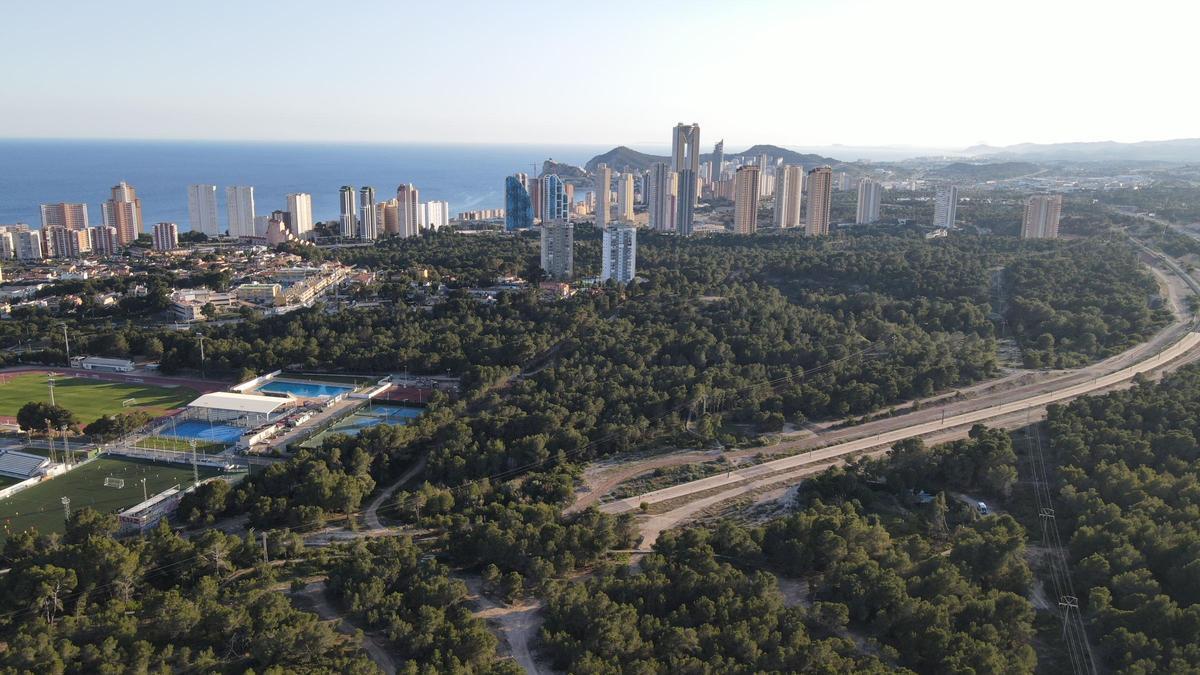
(124, 212)
(558, 249)
(104, 239)
(408, 201)
(619, 253)
(603, 194)
(789, 182)
(1042, 213)
(436, 214)
(661, 197)
(8, 245)
(715, 164)
(27, 245)
(239, 207)
(870, 194)
(389, 217)
(945, 207)
(624, 210)
(685, 162)
(63, 242)
(202, 209)
(348, 211)
(554, 199)
(518, 205)
(820, 201)
(166, 236)
(368, 227)
(299, 218)
(62, 214)
(843, 183)
(745, 199)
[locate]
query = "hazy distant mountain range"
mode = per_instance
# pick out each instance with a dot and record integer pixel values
(622, 158)
(1179, 150)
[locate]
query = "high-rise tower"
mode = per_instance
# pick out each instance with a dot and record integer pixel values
(202, 209)
(685, 161)
(124, 212)
(789, 180)
(820, 201)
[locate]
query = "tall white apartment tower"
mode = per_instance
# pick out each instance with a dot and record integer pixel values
(299, 208)
(239, 207)
(945, 207)
(202, 209)
(619, 253)
(348, 211)
(558, 249)
(1042, 213)
(870, 194)
(603, 194)
(745, 199)
(367, 226)
(685, 162)
(789, 186)
(408, 200)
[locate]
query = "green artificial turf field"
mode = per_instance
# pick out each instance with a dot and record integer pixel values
(41, 505)
(87, 398)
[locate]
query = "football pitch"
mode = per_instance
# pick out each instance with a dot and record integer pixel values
(41, 506)
(89, 399)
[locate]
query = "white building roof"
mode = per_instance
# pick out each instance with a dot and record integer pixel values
(246, 403)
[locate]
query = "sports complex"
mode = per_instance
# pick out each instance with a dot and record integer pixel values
(194, 436)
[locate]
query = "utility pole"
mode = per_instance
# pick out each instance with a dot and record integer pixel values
(67, 342)
(203, 369)
(66, 502)
(66, 445)
(50, 439)
(195, 471)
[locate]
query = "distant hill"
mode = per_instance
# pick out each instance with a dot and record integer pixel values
(567, 172)
(983, 172)
(622, 158)
(1179, 150)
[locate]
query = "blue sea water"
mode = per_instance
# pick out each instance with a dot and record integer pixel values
(469, 177)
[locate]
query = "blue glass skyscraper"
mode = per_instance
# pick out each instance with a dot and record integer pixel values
(518, 207)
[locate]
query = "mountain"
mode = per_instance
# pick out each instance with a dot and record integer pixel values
(568, 172)
(807, 161)
(622, 158)
(1178, 150)
(983, 172)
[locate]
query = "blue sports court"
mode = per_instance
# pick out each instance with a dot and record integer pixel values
(204, 431)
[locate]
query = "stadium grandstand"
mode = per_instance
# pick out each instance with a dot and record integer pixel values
(22, 465)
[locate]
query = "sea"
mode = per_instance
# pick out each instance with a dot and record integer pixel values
(469, 177)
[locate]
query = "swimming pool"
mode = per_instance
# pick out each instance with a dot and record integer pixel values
(204, 431)
(305, 389)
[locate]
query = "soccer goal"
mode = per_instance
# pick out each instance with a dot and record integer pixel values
(118, 483)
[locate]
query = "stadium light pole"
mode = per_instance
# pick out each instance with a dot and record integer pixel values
(67, 343)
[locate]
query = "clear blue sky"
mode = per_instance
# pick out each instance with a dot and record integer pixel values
(793, 72)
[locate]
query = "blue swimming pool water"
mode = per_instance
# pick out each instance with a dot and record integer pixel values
(203, 431)
(305, 389)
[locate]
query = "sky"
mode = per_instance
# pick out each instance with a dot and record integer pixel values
(921, 73)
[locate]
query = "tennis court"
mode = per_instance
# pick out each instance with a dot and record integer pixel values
(353, 424)
(202, 431)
